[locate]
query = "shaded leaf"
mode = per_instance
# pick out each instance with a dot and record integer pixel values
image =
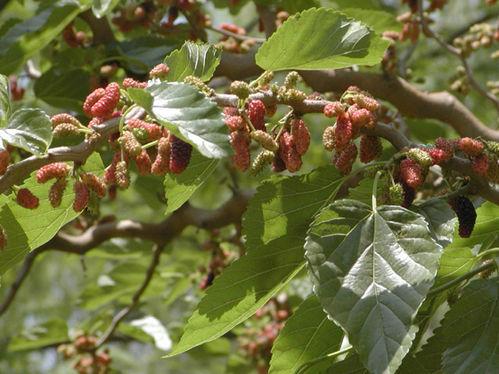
(327, 40)
(440, 217)
(243, 287)
(286, 205)
(180, 187)
(4, 100)
(196, 59)
(102, 8)
(29, 129)
(51, 332)
(196, 118)
(308, 334)
(372, 277)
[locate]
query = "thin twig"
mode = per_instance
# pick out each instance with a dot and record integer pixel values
(235, 36)
(121, 315)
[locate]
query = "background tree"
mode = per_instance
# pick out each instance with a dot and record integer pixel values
(249, 186)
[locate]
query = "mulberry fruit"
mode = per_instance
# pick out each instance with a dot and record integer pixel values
(278, 164)
(411, 173)
(92, 99)
(470, 146)
(159, 71)
(4, 161)
(152, 131)
(480, 164)
(334, 109)
(438, 156)
(240, 142)
(82, 196)
(420, 156)
(409, 195)
(110, 172)
(56, 170)
(343, 132)
(130, 144)
(143, 162)
(104, 107)
(57, 191)
(466, 215)
(345, 158)
(235, 123)
(370, 148)
(360, 117)
(288, 152)
(132, 83)
(328, 138)
(180, 154)
(26, 199)
(265, 140)
(65, 129)
(256, 113)
(396, 194)
(121, 175)
(64, 118)
(301, 135)
(240, 89)
(161, 164)
(265, 157)
(94, 183)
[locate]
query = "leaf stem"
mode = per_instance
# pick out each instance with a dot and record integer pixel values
(150, 144)
(463, 277)
(311, 363)
(488, 252)
(375, 189)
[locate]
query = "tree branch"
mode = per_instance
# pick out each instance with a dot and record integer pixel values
(101, 30)
(121, 315)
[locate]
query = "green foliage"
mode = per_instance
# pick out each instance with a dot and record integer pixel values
(196, 59)
(4, 100)
(191, 115)
(179, 188)
(54, 331)
(102, 8)
(372, 279)
(28, 129)
(307, 335)
(327, 40)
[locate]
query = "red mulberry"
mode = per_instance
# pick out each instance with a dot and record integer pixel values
(57, 191)
(55, 170)
(235, 123)
(82, 196)
(230, 111)
(26, 199)
(240, 142)
(370, 148)
(480, 164)
(143, 162)
(94, 183)
(256, 114)
(92, 99)
(466, 215)
(104, 107)
(288, 152)
(345, 158)
(132, 83)
(180, 154)
(301, 136)
(411, 173)
(4, 161)
(161, 164)
(152, 130)
(110, 172)
(334, 109)
(438, 156)
(470, 146)
(278, 164)
(361, 117)
(343, 132)
(159, 71)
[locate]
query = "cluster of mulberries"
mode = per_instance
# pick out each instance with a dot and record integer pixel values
(64, 124)
(466, 214)
(234, 45)
(102, 101)
(356, 111)
(85, 356)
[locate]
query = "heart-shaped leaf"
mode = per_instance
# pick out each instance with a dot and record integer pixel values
(327, 40)
(196, 118)
(29, 129)
(196, 59)
(372, 270)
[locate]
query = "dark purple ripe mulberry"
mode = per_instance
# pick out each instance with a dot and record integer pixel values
(466, 215)
(409, 195)
(180, 155)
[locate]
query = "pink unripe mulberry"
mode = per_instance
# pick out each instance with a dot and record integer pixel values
(143, 162)
(361, 117)
(64, 118)
(256, 113)
(91, 99)
(334, 109)
(130, 144)
(26, 199)
(480, 164)
(235, 123)
(470, 146)
(411, 173)
(82, 196)
(438, 156)
(328, 138)
(161, 164)
(288, 152)
(132, 83)
(159, 71)
(370, 148)
(301, 135)
(94, 183)
(343, 132)
(240, 142)
(105, 106)
(180, 154)
(345, 158)
(55, 170)
(121, 175)
(110, 172)
(152, 130)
